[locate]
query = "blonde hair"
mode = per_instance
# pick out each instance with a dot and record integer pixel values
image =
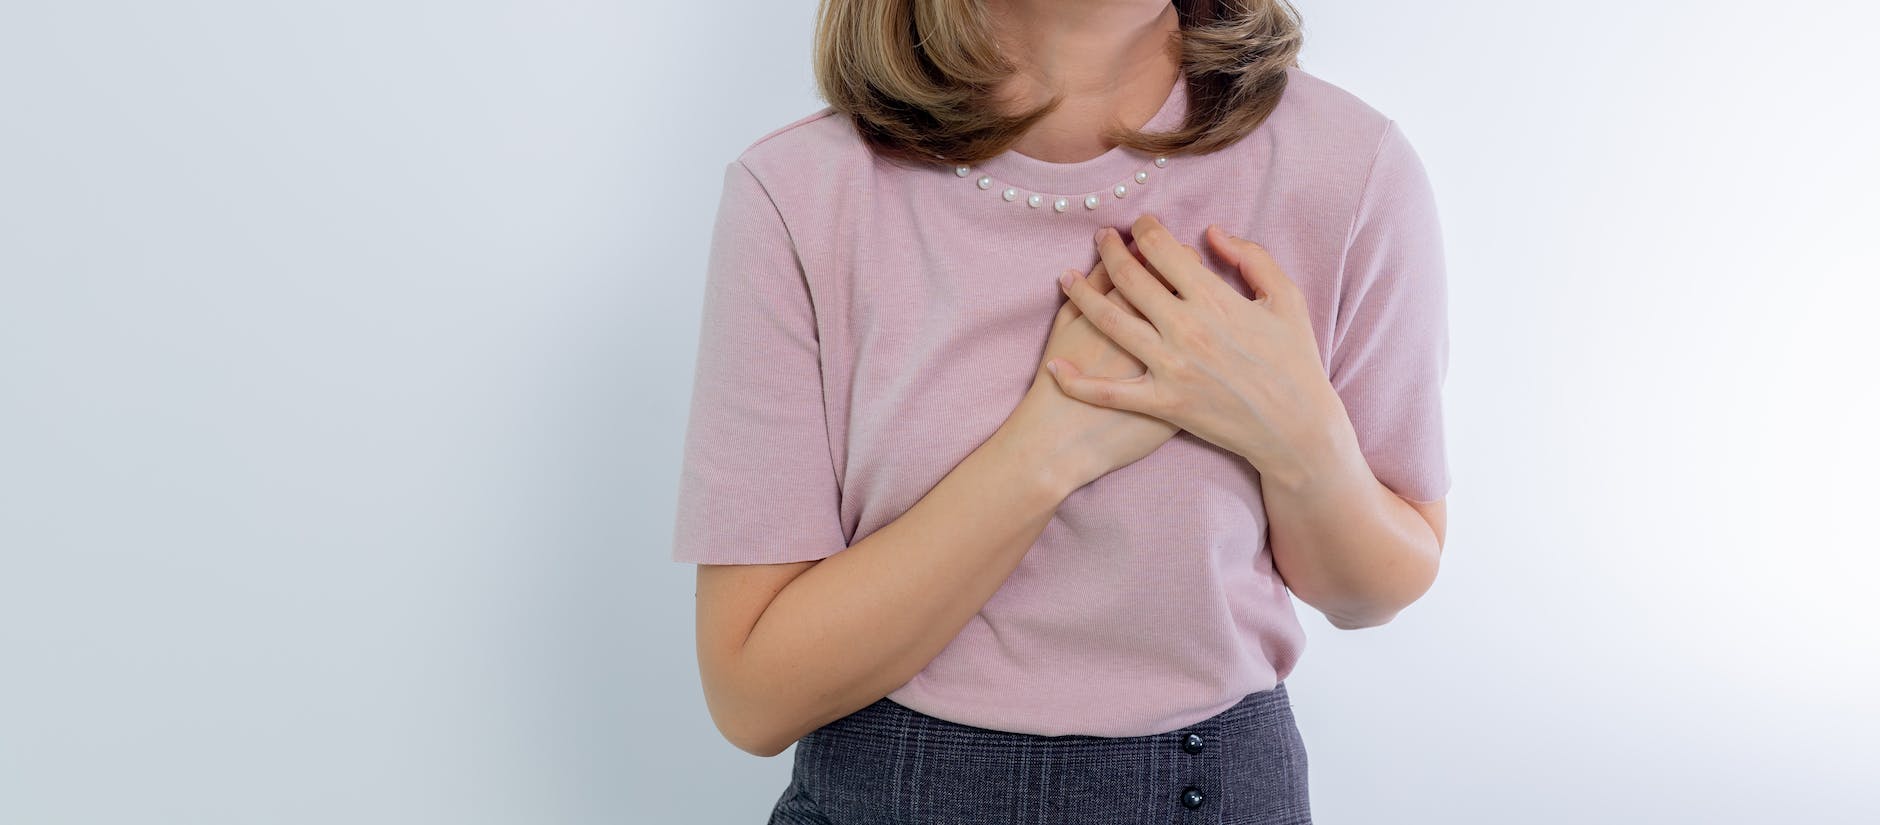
(917, 76)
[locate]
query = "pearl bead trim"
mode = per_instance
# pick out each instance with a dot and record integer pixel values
(1060, 203)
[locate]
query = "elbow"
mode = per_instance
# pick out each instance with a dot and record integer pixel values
(1379, 610)
(746, 722)
(1358, 613)
(749, 735)
(745, 726)
(757, 744)
(1344, 621)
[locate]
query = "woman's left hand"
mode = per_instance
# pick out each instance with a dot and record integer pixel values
(1242, 374)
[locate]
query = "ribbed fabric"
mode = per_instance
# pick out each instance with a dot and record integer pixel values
(888, 764)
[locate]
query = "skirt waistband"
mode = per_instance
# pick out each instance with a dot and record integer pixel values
(890, 763)
(889, 718)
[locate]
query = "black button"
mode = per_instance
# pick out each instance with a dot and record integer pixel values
(1192, 743)
(1191, 798)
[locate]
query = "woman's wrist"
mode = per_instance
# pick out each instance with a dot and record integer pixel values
(1326, 457)
(1042, 467)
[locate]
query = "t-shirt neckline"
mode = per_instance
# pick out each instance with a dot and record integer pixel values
(1098, 174)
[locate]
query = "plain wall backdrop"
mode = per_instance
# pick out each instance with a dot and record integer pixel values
(345, 353)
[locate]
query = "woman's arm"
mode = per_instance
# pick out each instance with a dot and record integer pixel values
(1346, 532)
(1346, 544)
(829, 637)
(1346, 535)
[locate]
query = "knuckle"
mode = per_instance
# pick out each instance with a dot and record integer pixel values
(1126, 282)
(1155, 238)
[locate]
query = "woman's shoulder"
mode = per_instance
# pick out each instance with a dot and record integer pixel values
(1330, 119)
(1310, 93)
(1323, 142)
(817, 144)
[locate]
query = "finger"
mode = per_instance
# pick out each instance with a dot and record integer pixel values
(1136, 283)
(1256, 266)
(1117, 297)
(1133, 334)
(1099, 278)
(1066, 313)
(1131, 246)
(1136, 393)
(1177, 263)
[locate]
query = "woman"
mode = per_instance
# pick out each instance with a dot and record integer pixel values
(991, 548)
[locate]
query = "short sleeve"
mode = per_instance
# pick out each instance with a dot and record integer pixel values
(757, 484)
(1389, 363)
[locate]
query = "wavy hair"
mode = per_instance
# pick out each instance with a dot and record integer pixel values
(917, 76)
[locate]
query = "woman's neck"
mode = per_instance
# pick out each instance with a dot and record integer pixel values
(1113, 61)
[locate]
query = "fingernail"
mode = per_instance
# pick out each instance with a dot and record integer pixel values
(1100, 231)
(1066, 277)
(1052, 366)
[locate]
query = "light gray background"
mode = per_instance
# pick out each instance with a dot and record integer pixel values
(345, 351)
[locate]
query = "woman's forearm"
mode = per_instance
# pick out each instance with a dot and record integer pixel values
(861, 623)
(1342, 541)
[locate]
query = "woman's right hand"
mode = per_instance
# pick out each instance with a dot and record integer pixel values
(1087, 440)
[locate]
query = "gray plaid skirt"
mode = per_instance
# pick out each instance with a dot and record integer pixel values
(888, 764)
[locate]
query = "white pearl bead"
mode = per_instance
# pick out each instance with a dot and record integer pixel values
(1091, 202)
(1061, 204)
(1160, 162)
(1009, 194)
(985, 181)
(1121, 190)
(962, 170)
(1142, 176)
(1035, 201)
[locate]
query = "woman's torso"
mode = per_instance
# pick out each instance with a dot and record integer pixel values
(1150, 600)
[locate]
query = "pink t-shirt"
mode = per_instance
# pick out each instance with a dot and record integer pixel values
(868, 325)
